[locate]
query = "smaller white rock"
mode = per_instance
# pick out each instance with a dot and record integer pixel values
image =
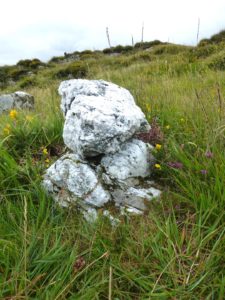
(90, 214)
(114, 221)
(133, 160)
(72, 181)
(126, 210)
(17, 100)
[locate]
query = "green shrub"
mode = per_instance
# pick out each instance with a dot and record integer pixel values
(170, 49)
(204, 42)
(118, 49)
(27, 82)
(203, 51)
(4, 76)
(75, 70)
(86, 52)
(144, 55)
(217, 61)
(107, 51)
(56, 59)
(146, 45)
(30, 63)
(16, 73)
(214, 39)
(92, 55)
(122, 49)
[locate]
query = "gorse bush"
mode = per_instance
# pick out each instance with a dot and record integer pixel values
(214, 39)
(73, 70)
(203, 52)
(17, 73)
(56, 59)
(118, 49)
(4, 76)
(27, 82)
(30, 63)
(146, 45)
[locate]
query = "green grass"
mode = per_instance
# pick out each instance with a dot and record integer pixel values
(176, 250)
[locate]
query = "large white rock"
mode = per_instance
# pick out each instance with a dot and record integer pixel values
(132, 161)
(72, 181)
(99, 116)
(17, 100)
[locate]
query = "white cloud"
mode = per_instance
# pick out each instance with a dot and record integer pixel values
(46, 28)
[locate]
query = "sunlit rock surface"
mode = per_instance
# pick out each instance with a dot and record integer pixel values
(99, 116)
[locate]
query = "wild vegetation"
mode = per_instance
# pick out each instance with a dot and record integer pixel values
(174, 251)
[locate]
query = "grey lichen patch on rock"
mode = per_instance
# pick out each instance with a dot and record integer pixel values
(17, 100)
(99, 116)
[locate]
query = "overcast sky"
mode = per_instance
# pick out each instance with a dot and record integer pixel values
(46, 28)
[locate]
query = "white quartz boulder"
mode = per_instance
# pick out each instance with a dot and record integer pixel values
(134, 160)
(99, 116)
(17, 100)
(72, 181)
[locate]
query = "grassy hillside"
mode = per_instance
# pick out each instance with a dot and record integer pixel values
(174, 251)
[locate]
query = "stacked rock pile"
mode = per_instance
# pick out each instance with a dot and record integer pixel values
(105, 163)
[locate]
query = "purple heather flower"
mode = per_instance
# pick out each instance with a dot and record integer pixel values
(204, 172)
(175, 165)
(208, 154)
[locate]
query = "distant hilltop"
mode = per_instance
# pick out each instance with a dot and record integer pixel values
(31, 72)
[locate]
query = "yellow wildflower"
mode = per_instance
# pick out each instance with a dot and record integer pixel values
(148, 107)
(47, 161)
(182, 120)
(13, 114)
(157, 166)
(45, 151)
(7, 129)
(167, 127)
(158, 146)
(29, 118)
